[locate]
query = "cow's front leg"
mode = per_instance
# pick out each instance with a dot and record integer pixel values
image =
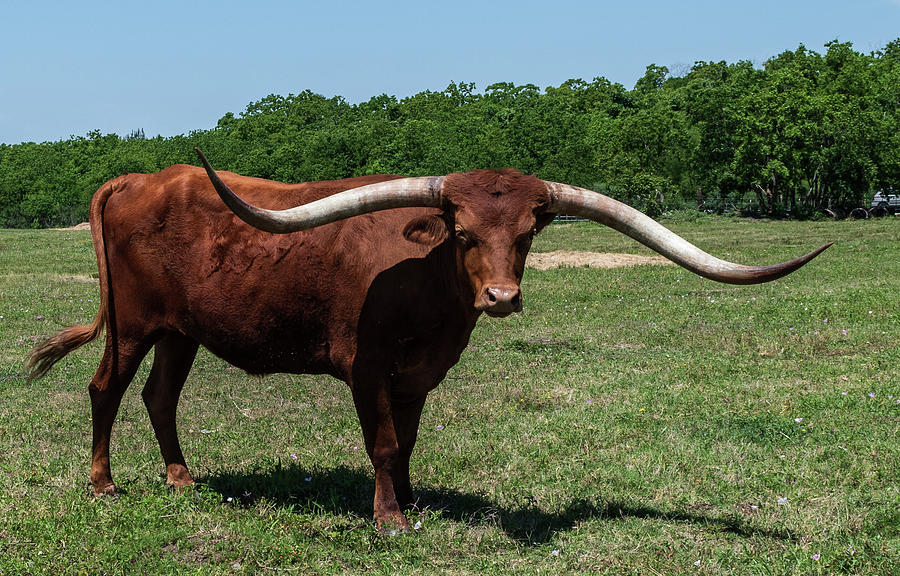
(373, 406)
(406, 417)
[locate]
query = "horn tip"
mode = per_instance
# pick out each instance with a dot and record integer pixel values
(824, 247)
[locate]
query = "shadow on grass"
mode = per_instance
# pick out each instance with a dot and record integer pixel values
(344, 490)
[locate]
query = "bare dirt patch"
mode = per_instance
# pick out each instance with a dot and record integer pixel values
(82, 226)
(561, 258)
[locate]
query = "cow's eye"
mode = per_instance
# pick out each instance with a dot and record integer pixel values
(464, 238)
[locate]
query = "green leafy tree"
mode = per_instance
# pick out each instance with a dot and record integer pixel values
(803, 132)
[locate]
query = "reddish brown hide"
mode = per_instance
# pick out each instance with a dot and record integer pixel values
(385, 300)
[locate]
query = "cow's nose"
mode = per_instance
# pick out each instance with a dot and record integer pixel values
(501, 300)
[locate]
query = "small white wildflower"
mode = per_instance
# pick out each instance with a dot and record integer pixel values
(417, 525)
(782, 500)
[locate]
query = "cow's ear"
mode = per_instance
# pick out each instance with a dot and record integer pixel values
(426, 230)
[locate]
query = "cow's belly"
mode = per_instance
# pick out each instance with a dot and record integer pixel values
(266, 346)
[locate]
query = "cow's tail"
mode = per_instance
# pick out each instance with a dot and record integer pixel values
(53, 349)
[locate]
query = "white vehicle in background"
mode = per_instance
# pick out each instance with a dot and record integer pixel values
(886, 201)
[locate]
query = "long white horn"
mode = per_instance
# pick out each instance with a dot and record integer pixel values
(400, 193)
(566, 199)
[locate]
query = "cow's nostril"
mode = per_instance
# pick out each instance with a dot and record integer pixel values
(501, 299)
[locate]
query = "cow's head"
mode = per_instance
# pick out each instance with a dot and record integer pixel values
(490, 216)
(494, 215)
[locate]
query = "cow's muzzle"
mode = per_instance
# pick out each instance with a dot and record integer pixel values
(499, 301)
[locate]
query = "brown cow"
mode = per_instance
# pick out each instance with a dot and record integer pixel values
(376, 280)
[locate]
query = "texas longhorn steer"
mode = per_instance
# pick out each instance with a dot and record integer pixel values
(376, 280)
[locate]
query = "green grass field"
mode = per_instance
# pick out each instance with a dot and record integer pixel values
(629, 421)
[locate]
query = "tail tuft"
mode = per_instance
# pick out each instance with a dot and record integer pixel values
(50, 351)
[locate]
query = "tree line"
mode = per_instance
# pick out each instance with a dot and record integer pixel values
(803, 132)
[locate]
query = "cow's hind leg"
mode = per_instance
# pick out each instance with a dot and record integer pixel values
(172, 360)
(117, 368)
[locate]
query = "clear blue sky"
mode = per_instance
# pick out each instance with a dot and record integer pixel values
(171, 67)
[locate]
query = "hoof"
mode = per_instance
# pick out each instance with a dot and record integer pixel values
(392, 525)
(106, 490)
(180, 484)
(180, 487)
(178, 477)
